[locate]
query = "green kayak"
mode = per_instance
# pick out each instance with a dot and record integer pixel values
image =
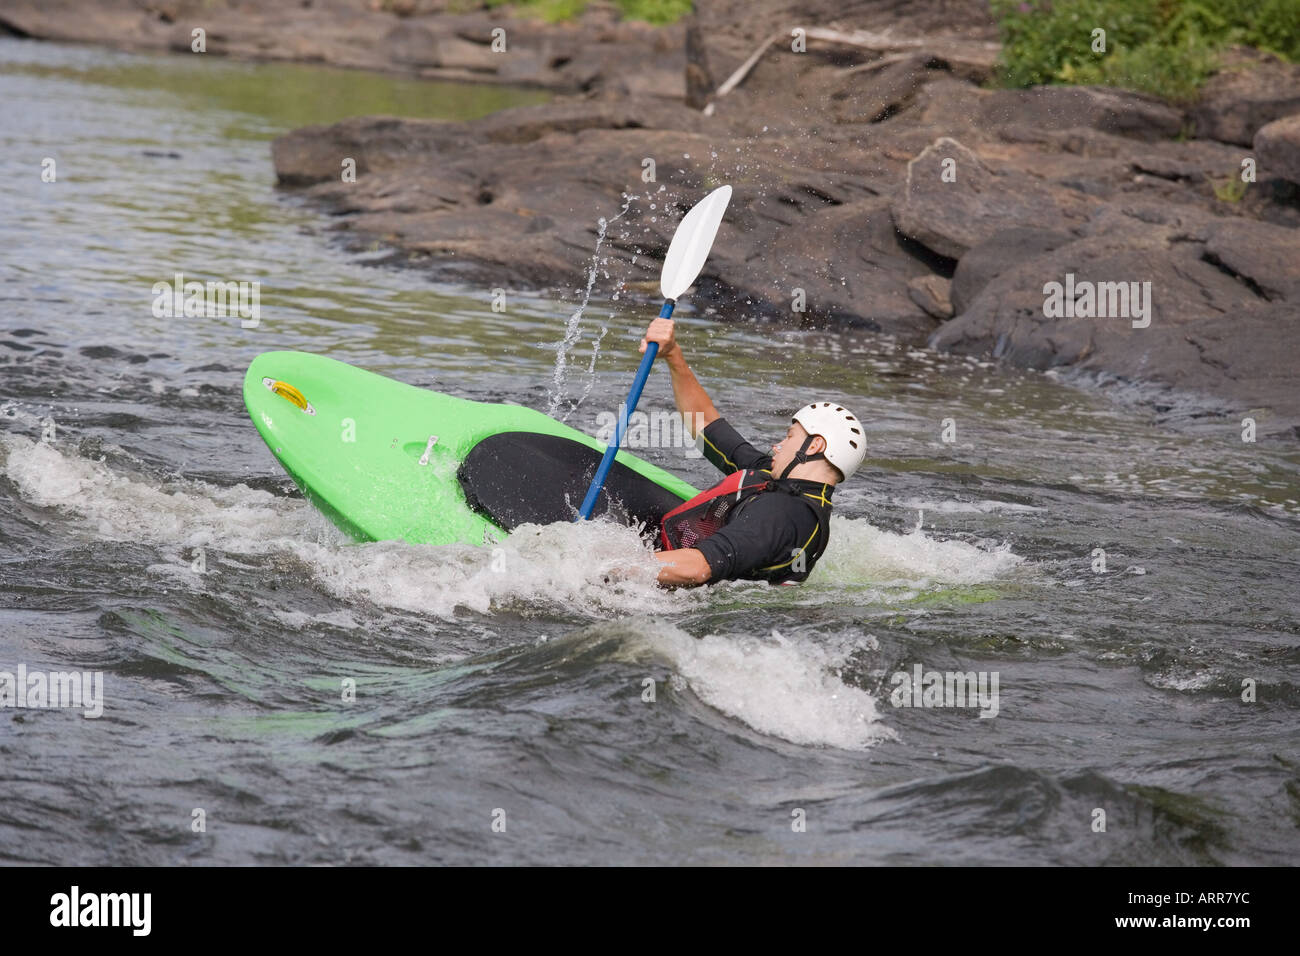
(388, 461)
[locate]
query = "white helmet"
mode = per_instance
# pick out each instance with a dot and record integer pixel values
(846, 446)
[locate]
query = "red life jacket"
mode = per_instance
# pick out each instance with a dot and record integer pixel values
(693, 521)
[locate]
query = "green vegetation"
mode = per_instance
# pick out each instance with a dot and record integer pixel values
(1231, 189)
(652, 11)
(1164, 47)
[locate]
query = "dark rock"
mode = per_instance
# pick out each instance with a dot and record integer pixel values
(1209, 330)
(412, 45)
(847, 259)
(876, 96)
(1265, 257)
(951, 217)
(315, 154)
(458, 54)
(1277, 149)
(931, 293)
(422, 185)
(1096, 107)
(1236, 102)
(1250, 361)
(528, 123)
(1001, 251)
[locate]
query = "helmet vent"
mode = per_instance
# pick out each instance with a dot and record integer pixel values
(855, 431)
(853, 443)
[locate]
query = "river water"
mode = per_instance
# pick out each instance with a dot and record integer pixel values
(545, 715)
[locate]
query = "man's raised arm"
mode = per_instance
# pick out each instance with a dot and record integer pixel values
(693, 401)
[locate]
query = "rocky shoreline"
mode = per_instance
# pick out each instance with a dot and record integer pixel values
(433, 39)
(878, 183)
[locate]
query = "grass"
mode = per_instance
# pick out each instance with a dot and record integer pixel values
(658, 12)
(1167, 48)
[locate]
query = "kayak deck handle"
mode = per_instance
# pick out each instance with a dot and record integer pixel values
(287, 391)
(433, 440)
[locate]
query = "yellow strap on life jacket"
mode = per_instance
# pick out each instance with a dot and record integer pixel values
(803, 550)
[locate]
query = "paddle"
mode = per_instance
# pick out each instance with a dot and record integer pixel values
(686, 254)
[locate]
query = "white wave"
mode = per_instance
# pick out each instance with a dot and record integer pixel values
(593, 569)
(860, 552)
(1173, 680)
(184, 513)
(783, 687)
(300, 619)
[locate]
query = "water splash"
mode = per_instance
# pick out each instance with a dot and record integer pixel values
(573, 329)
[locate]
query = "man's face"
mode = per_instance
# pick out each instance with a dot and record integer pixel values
(783, 452)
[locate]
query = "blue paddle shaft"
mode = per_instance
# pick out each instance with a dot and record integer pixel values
(633, 396)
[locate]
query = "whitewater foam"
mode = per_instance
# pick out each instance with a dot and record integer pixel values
(591, 569)
(860, 553)
(786, 687)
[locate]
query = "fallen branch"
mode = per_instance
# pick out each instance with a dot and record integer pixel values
(966, 52)
(975, 54)
(862, 38)
(742, 71)
(877, 64)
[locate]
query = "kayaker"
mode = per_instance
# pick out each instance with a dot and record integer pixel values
(769, 519)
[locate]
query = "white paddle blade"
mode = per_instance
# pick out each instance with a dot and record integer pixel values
(692, 242)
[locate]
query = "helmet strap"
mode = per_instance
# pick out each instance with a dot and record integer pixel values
(802, 457)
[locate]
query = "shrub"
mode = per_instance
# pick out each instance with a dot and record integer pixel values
(1163, 47)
